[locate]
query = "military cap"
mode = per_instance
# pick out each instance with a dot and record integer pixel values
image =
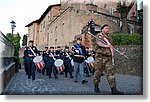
(52, 47)
(79, 38)
(58, 47)
(31, 41)
(66, 47)
(104, 26)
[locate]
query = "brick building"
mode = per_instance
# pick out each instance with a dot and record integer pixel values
(60, 24)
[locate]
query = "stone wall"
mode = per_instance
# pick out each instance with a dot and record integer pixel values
(133, 65)
(6, 76)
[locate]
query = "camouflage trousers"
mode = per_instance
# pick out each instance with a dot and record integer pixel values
(104, 63)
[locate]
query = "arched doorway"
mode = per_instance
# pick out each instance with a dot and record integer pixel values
(88, 39)
(97, 29)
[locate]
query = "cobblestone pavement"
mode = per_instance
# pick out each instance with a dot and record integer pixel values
(43, 85)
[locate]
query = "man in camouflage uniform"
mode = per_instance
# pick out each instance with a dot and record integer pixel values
(103, 61)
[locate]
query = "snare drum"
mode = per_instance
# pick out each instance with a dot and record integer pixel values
(72, 63)
(59, 65)
(90, 61)
(39, 63)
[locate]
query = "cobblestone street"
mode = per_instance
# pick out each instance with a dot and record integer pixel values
(19, 84)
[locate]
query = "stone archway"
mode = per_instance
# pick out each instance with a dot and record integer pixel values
(88, 39)
(97, 29)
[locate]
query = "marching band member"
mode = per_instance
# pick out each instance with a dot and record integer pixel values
(103, 60)
(26, 60)
(59, 53)
(31, 53)
(67, 57)
(45, 57)
(40, 53)
(50, 67)
(79, 57)
(87, 68)
(92, 54)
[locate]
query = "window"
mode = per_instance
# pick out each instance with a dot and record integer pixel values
(47, 37)
(112, 10)
(44, 24)
(41, 25)
(62, 29)
(105, 6)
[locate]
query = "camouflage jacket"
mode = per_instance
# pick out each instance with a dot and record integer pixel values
(102, 50)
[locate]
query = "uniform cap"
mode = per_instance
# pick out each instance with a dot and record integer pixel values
(104, 26)
(31, 41)
(79, 38)
(66, 47)
(52, 47)
(58, 47)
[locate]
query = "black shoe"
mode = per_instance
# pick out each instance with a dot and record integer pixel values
(33, 78)
(96, 89)
(61, 73)
(114, 91)
(84, 81)
(102, 74)
(75, 81)
(56, 77)
(88, 75)
(50, 76)
(71, 76)
(47, 74)
(65, 76)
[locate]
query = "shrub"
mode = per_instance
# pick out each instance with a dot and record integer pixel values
(127, 39)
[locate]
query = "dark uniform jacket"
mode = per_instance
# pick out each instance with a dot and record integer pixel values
(65, 57)
(28, 51)
(50, 58)
(45, 56)
(59, 54)
(78, 52)
(87, 53)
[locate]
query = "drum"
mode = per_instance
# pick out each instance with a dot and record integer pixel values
(90, 61)
(72, 63)
(59, 65)
(39, 63)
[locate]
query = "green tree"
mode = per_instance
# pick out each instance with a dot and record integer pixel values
(15, 39)
(123, 9)
(24, 41)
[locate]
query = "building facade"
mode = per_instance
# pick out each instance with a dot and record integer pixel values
(60, 24)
